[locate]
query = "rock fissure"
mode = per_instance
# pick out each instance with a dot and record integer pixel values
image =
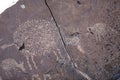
(64, 45)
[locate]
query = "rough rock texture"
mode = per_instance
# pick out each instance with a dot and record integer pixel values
(60, 40)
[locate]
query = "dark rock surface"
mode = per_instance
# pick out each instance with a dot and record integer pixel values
(60, 40)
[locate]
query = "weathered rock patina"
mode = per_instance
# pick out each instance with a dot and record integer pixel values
(60, 40)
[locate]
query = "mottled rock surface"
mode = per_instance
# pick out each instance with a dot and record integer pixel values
(60, 40)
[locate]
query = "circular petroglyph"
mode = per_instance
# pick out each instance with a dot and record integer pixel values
(38, 37)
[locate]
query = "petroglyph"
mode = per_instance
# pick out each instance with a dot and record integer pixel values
(75, 41)
(57, 57)
(80, 49)
(9, 64)
(46, 76)
(38, 37)
(6, 46)
(28, 62)
(98, 29)
(83, 74)
(36, 77)
(34, 62)
(72, 40)
(75, 66)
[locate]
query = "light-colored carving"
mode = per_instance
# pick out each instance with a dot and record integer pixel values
(72, 40)
(28, 62)
(39, 38)
(75, 41)
(9, 64)
(99, 30)
(80, 49)
(34, 64)
(57, 57)
(47, 76)
(4, 46)
(36, 77)
(83, 74)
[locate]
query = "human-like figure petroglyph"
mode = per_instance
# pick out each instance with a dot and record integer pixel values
(38, 37)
